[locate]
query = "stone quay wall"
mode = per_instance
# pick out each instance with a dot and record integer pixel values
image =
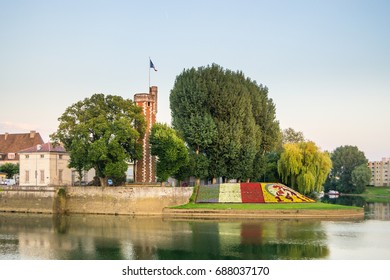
(93, 200)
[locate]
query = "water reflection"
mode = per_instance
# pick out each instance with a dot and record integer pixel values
(79, 237)
(378, 211)
(373, 210)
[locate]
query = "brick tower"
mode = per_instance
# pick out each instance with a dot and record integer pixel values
(145, 170)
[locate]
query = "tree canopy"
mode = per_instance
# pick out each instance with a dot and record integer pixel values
(226, 119)
(345, 159)
(170, 150)
(102, 132)
(10, 169)
(289, 135)
(304, 167)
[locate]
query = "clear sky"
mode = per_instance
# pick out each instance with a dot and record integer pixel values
(326, 63)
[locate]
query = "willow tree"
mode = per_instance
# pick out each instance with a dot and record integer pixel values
(304, 167)
(102, 132)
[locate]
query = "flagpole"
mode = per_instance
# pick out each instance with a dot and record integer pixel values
(149, 75)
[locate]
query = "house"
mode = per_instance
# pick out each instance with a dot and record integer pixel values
(11, 144)
(44, 165)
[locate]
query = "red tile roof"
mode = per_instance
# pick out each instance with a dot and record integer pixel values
(13, 143)
(44, 148)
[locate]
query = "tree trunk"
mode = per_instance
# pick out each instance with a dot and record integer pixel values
(163, 184)
(103, 181)
(214, 181)
(197, 182)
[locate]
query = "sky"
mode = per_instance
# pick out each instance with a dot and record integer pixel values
(326, 63)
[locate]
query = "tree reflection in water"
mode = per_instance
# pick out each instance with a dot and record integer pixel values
(80, 237)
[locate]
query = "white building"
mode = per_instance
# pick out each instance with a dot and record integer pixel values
(380, 171)
(44, 165)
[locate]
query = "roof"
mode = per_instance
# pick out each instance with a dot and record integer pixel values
(45, 148)
(13, 143)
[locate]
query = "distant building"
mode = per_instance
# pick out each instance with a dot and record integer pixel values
(44, 165)
(145, 170)
(380, 171)
(11, 144)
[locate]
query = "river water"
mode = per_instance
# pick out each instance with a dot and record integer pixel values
(78, 237)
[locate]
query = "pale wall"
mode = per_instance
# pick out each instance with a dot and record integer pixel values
(94, 200)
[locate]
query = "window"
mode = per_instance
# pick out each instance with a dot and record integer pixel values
(27, 156)
(42, 156)
(27, 176)
(60, 175)
(60, 157)
(11, 155)
(42, 177)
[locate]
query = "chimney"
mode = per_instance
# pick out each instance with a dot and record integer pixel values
(6, 136)
(32, 133)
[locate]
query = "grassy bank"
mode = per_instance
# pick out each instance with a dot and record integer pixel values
(264, 206)
(377, 194)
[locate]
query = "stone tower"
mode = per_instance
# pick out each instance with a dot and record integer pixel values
(145, 170)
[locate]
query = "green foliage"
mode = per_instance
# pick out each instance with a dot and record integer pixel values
(61, 192)
(10, 169)
(102, 132)
(170, 150)
(227, 120)
(345, 159)
(361, 177)
(289, 135)
(304, 167)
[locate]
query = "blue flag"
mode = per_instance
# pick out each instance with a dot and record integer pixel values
(152, 65)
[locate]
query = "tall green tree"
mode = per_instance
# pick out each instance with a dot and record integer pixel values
(304, 167)
(345, 159)
(170, 150)
(226, 117)
(10, 169)
(102, 132)
(361, 176)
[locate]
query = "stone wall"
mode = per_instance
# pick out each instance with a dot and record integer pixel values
(94, 200)
(29, 201)
(124, 200)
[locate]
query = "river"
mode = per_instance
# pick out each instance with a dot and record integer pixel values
(95, 237)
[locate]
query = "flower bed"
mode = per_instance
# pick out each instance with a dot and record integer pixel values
(249, 193)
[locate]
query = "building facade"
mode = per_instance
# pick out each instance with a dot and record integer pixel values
(145, 170)
(380, 171)
(44, 165)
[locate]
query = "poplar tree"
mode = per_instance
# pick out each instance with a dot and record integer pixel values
(225, 117)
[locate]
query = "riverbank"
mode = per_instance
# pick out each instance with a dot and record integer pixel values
(141, 200)
(377, 194)
(155, 201)
(272, 210)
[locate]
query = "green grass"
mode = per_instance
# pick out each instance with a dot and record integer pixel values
(264, 206)
(377, 191)
(377, 194)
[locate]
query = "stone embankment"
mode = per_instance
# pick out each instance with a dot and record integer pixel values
(142, 200)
